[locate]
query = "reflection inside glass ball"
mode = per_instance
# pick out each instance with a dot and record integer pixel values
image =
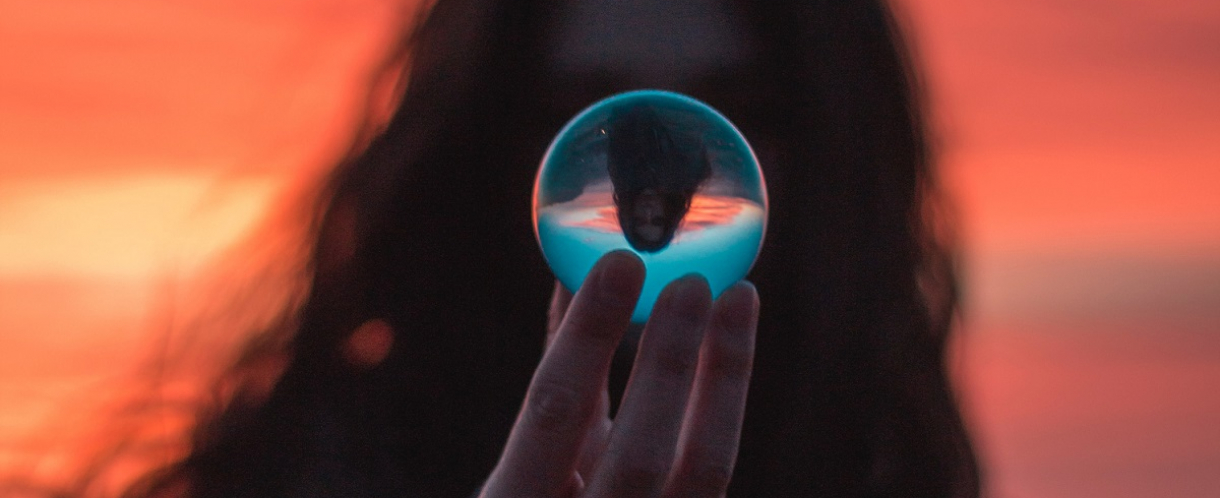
(657, 173)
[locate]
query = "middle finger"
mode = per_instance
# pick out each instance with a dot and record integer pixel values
(646, 428)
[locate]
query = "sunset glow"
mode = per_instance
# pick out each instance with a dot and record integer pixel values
(142, 140)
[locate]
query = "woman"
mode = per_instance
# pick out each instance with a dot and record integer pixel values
(426, 237)
(654, 173)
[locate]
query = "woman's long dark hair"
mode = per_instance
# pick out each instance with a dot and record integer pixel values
(429, 229)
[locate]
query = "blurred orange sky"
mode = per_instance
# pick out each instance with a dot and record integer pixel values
(1081, 140)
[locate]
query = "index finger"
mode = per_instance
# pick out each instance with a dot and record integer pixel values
(563, 396)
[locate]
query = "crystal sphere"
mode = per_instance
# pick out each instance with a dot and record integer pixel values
(657, 173)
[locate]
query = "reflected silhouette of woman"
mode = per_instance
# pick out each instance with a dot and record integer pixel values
(426, 233)
(655, 175)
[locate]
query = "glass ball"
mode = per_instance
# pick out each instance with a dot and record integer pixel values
(657, 173)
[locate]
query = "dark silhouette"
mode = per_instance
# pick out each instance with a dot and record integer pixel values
(654, 177)
(428, 229)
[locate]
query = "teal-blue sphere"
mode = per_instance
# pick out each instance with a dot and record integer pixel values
(657, 173)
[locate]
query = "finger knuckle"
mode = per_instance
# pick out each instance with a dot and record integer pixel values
(593, 325)
(727, 360)
(554, 407)
(641, 474)
(706, 466)
(676, 358)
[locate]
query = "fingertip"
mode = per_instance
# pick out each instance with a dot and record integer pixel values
(743, 290)
(739, 304)
(620, 272)
(688, 295)
(696, 285)
(622, 260)
(606, 298)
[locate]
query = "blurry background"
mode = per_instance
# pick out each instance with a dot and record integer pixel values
(1081, 139)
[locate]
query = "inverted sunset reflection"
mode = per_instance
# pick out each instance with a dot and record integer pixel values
(705, 211)
(719, 238)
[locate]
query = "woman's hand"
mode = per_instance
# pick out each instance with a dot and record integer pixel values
(677, 430)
